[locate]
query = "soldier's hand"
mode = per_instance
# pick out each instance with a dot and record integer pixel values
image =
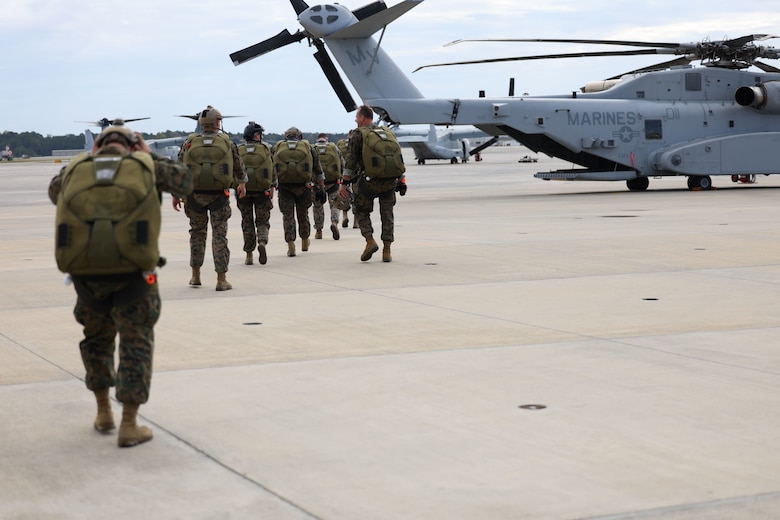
(241, 190)
(141, 145)
(321, 196)
(343, 192)
(176, 203)
(400, 186)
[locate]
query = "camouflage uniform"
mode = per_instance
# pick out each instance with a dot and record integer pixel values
(332, 189)
(204, 204)
(365, 191)
(123, 304)
(295, 201)
(255, 210)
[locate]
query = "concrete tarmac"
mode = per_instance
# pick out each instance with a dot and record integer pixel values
(535, 350)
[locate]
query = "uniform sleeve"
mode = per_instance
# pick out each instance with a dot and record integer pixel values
(55, 185)
(315, 156)
(172, 176)
(238, 165)
(354, 159)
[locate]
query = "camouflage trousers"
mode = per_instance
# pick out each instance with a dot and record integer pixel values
(293, 202)
(365, 192)
(255, 219)
(199, 223)
(318, 208)
(134, 322)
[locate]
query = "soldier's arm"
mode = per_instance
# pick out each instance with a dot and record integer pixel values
(55, 185)
(172, 176)
(238, 165)
(315, 156)
(353, 160)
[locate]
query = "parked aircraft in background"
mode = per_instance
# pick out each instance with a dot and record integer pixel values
(666, 119)
(167, 147)
(448, 144)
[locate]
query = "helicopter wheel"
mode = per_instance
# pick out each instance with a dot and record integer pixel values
(638, 184)
(705, 182)
(420, 161)
(454, 160)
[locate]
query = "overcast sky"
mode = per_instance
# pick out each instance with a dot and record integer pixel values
(69, 61)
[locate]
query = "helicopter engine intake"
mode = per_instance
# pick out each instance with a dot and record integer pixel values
(763, 96)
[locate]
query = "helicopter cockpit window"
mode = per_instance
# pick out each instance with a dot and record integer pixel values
(693, 81)
(653, 129)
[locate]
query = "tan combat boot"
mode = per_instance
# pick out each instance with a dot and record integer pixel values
(370, 249)
(317, 235)
(290, 248)
(130, 433)
(386, 256)
(195, 280)
(222, 283)
(305, 244)
(334, 228)
(249, 260)
(104, 422)
(262, 255)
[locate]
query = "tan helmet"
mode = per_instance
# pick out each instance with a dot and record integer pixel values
(117, 130)
(293, 133)
(209, 117)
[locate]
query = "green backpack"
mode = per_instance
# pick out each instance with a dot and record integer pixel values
(293, 162)
(330, 161)
(210, 158)
(108, 215)
(381, 153)
(258, 164)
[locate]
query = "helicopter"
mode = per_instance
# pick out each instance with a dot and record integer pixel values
(168, 147)
(449, 144)
(669, 119)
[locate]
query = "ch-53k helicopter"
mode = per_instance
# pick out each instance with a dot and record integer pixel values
(168, 146)
(668, 119)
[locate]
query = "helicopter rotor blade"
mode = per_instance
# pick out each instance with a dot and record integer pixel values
(683, 60)
(765, 66)
(328, 67)
(564, 40)
(265, 46)
(299, 6)
(637, 52)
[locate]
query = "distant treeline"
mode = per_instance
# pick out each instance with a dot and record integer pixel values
(34, 144)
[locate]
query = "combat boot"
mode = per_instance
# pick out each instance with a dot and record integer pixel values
(248, 260)
(222, 283)
(130, 433)
(345, 222)
(317, 235)
(262, 255)
(334, 228)
(370, 249)
(290, 248)
(386, 256)
(104, 422)
(195, 280)
(305, 244)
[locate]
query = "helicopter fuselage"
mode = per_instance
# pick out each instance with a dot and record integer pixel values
(683, 121)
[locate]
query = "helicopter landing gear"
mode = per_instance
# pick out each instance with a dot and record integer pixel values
(703, 182)
(638, 184)
(743, 179)
(454, 160)
(420, 161)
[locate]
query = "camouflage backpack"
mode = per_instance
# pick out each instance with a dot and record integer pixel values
(210, 157)
(108, 215)
(330, 161)
(258, 164)
(381, 153)
(293, 162)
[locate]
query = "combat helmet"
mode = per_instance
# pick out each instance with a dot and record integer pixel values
(209, 117)
(251, 129)
(115, 132)
(293, 133)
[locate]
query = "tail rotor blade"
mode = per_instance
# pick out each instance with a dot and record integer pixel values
(272, 43)
(299, 6)
(334, 78)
